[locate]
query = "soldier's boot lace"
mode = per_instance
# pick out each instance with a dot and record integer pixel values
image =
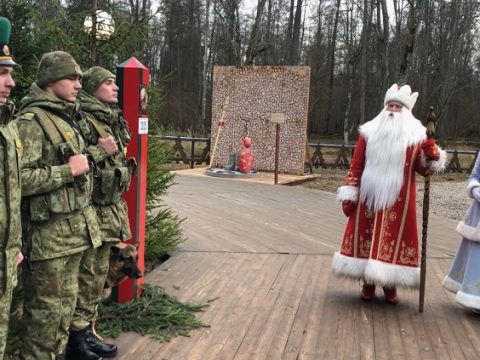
(98, 346)
(78, 348)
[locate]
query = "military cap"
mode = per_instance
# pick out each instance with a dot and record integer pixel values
(5, 29)
(94, 77)
(56, 65)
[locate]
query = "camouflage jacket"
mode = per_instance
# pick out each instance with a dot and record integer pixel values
(59, 218)
(10, 196)
(113, 173)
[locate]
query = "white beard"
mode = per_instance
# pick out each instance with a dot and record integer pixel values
(387, 136)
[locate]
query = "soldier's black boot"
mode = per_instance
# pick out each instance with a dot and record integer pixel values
(98, 346)
(78, 348)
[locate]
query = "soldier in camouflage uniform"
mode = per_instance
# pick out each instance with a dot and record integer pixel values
(59, 220)
(10, 196)
(108, 139)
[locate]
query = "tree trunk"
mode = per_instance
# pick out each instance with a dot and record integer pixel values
(385, 47)
(367, 18)
(331, 70)
(289, 37)
(294, 50)
(250, 53)
(206, 53)
(403, 73)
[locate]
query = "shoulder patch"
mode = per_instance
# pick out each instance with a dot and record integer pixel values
(27, 116)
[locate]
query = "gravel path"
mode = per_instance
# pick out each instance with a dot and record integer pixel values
(448, 195)
(447, 198)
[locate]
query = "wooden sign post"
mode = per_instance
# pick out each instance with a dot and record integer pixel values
(277, 118)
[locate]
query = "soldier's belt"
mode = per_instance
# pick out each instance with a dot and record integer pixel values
(57, 217)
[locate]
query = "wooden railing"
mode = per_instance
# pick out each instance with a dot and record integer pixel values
(454, 164)
(331, 156)
(179, 151)
(339, 158)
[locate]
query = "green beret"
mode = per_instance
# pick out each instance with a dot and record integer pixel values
(56, 65)
(5, 29)
(94, 77)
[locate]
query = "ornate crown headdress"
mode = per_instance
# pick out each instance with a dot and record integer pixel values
(402, 94)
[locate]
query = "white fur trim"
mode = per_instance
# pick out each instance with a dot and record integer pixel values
(435, 166)
(347, 192)
(470, 186)
(348, 266)
(439, 165)
(468, 300)
(451, 285)
(469, 232)
(402, 94)
(385, 274)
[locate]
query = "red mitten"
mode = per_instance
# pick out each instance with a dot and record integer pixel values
(430, 149)
(348, 207)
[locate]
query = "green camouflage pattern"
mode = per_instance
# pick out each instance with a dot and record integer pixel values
(5, 301)
(111, 180)
(60, 219)
(59, 224)
(51, 290)
(113, 175)
(91, 282)
(10, 225)
(56, 65)
(94, 77)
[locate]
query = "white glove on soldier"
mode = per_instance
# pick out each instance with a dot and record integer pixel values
(476, 193)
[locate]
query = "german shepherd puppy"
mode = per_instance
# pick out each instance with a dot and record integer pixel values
(123, 264)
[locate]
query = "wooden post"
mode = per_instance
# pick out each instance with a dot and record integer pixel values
(277, 151)
(192, 155)
(132, 79)
(307, 152)
(277, 118)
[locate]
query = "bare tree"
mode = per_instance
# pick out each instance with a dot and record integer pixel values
(331, 65)
(251, 51)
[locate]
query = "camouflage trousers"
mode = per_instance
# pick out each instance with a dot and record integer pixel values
(91, 281)
(5, 301)
(50, 296)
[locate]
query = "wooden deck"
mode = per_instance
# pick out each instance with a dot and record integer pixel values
(260, 256)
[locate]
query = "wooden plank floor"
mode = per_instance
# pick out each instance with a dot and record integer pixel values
(260, 256)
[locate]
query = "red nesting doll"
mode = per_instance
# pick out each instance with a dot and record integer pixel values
(245, 162)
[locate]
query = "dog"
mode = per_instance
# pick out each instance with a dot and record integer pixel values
(122, 264)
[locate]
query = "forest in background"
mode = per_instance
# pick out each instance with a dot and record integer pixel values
(356, 49)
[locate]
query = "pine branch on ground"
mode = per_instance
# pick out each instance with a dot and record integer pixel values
(156, 314)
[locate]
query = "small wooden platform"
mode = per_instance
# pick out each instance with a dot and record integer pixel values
(260, 256)
(259, 178)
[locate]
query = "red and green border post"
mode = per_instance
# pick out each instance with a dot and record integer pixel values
(133, 78)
